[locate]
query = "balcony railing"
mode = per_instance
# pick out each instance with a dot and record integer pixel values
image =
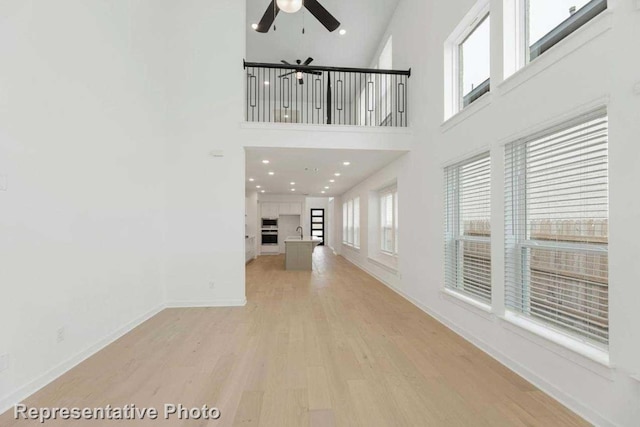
(278, 93)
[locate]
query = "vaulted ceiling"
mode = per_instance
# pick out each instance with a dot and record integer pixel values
(365, 22)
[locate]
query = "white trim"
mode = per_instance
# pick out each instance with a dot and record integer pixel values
(7, 402)
(558, 120)
(468, 303)
(526, 328)
(467, 25)
(210, 303)
(384, 265)
(483, 102)
(351, 247)
(570, 44)
(468, 157)
(368, 271)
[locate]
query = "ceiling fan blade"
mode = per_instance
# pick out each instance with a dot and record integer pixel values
(284, 62)
(315, 73)
(308, 61)
(268, 17)
(322, 14)
(287, 74)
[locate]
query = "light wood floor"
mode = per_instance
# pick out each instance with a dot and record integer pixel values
(332, 347)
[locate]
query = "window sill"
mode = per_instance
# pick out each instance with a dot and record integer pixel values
(582, 36)
(468, 303)
(590, 357)
(385, 261)
(462, 115)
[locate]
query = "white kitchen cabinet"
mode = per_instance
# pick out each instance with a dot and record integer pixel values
(274, 210)
(290, 209)
(270, 210)
(295, 209)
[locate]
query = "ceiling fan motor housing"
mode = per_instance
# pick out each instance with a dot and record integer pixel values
(289, 6)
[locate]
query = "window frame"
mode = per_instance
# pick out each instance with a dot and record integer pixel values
(454, 103)
(393, 191)
(483, 88)
(454, 229)
(350, 235)
(518, 240)
(517, 26)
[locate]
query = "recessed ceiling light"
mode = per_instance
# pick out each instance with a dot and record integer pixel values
(323, 192)
(251, 179)
(254, 26)
(258, 186)
(293, 189)
(346, 163)
(262, 191)
(292, 183)
(272, 173)
(343, 32)
(266, 82)
(332, 180)
(326, 188)
(337, 174)
(266, 162)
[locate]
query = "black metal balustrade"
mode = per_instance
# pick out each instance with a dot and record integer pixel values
(278, 93)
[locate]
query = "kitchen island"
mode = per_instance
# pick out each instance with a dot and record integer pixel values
(299, 252)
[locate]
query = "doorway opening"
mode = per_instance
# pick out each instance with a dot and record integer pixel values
(317, 224)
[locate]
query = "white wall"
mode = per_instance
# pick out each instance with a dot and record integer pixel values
(594, 66)
(368, 257)
(206, 195)
(82, 150)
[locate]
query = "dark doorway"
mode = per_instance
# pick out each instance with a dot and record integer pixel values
(317, 224)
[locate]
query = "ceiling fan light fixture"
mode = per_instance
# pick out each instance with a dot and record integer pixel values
(289, 6)
(299, 75)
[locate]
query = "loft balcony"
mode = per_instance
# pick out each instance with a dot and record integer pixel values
(316, 95)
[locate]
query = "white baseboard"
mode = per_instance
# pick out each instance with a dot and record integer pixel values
(565, 399)
(7, 402)
(27, 390)
(212, 303)
(371, 273)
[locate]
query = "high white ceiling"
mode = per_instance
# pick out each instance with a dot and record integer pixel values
(312, 169)
(364, 20)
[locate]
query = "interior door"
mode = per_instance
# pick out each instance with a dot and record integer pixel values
(317, 224)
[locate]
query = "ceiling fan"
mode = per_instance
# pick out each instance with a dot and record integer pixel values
(292, 6)
(300, 72)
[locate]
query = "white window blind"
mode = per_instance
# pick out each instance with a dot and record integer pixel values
(557, 210)
(356, 222)
(468, 227)
(351, 222)
(345, 223)
(389, 221)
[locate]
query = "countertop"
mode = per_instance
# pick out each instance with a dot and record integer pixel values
(304, 240)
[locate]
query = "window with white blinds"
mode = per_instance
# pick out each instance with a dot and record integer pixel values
(356, 222)
(351, 222)
(468, 227)
(557, 212)
(389, 221)
(345, 223)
